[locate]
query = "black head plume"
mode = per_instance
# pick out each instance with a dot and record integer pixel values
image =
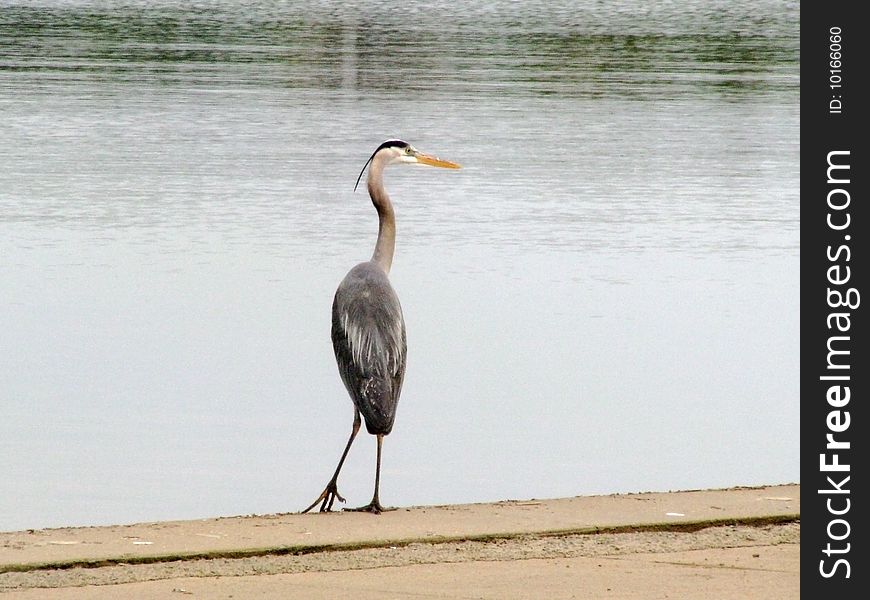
(387, 144)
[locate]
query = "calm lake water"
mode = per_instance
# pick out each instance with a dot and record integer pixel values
(604, 299)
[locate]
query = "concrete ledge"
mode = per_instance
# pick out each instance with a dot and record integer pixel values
(283, 534)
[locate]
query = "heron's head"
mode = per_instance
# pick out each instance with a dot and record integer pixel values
(398, 151)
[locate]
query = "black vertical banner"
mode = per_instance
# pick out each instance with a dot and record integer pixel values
(834, 366)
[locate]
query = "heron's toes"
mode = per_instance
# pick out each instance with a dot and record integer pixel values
(373, 507)
(327, 498)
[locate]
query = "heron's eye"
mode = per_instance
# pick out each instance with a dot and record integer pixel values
(408, 150)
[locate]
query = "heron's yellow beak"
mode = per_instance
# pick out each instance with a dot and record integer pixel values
(433, 161)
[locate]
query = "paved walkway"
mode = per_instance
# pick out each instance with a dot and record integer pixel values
(735, 543)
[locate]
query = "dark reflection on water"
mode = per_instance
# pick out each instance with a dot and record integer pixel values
(597, 302)
(453, 56)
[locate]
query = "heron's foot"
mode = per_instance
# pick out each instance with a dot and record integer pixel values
(327, 498)
(373, 507)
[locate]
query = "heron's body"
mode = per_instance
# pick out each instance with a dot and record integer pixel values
(368, 329)
(368, 336)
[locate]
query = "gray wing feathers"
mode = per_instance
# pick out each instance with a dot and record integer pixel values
(368, 336)
(375, 340)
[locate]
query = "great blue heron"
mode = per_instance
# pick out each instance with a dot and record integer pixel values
(368, 330)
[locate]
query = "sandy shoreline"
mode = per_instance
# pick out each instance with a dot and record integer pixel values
(739, 542)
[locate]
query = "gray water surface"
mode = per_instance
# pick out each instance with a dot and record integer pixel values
(604, 299)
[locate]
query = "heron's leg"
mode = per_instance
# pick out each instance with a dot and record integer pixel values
(375, 505)
(330, 493)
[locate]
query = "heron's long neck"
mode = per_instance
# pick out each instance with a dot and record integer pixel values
(386, 244)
